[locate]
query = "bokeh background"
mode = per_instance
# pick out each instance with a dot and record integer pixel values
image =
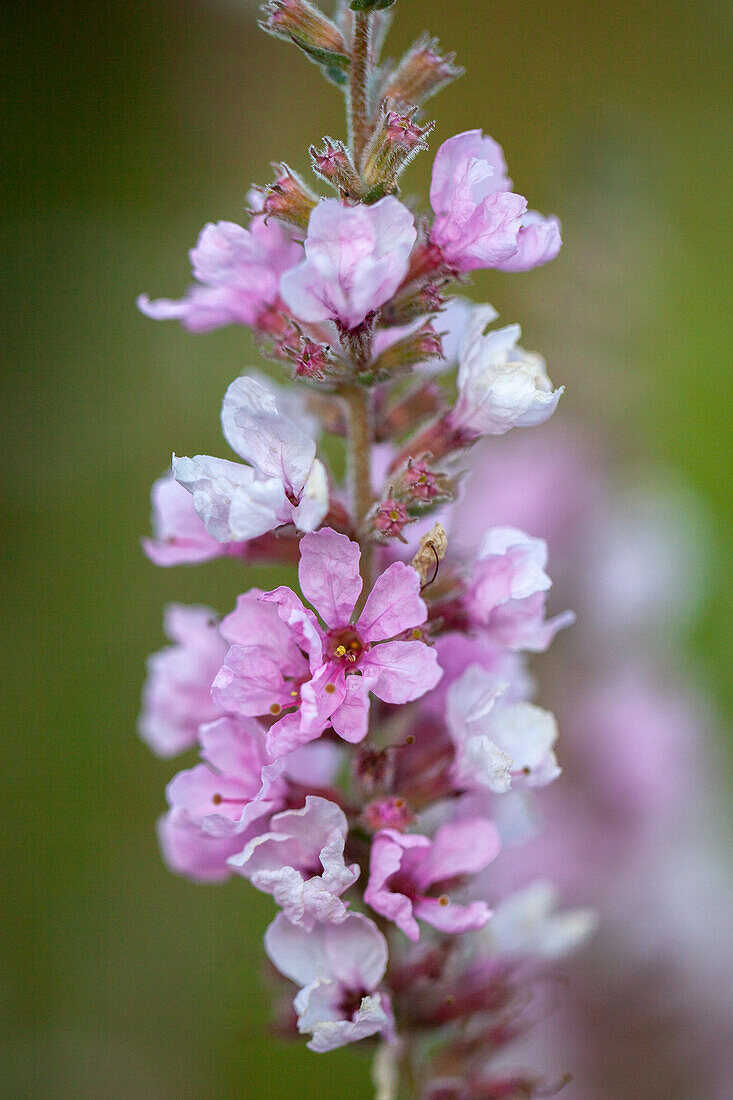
(128, 126)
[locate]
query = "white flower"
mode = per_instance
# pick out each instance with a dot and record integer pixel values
(300, 861)
(500, 386)
(283, 483)
(338, 967)
(498, 745)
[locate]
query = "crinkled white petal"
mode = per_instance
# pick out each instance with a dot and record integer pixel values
(212, 483)
(313, 505)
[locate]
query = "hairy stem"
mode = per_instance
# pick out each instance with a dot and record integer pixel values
(358, 400)
(358, 85)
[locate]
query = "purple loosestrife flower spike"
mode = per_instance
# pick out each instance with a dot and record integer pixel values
(370, 752)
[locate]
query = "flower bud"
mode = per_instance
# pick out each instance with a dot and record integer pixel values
(415, 300)
(334, 166)
(396, 140)
(422, 72)
(417, 347)
(288, 198)
(312, 32)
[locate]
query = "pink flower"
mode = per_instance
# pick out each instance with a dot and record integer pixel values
(338, 967)
(180, 535)
(190, 852)
(355, 258)
(177, 692)
(284, 483)
(498, 744)
(300, 861)
(238, 271)
(507, 593)
(500, 386)
(312, 675)
(235, 784)
(479, 222)
(408, 873)
(538, 242)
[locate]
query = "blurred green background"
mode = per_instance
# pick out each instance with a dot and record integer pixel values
(127, 126)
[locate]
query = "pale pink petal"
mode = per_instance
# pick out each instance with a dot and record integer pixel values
(301, 622)
(393, 605)
(460, 848)
(329, 574)
(189, 851)
(350, 720)
(250, 683)
(321, 696)
(538, 242)
(453, 917)
(180, 535)
(388, 849)
(287, 735)
(401, 671)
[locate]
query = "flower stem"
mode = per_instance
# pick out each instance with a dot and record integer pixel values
(406, 1083)
(359, 84)
(358, 400)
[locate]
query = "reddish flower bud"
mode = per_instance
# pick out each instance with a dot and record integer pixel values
(312, 32)
(421, 483)
(417, 347)
(333, 164)
(422, 72)
(395, 141)
(288, 198)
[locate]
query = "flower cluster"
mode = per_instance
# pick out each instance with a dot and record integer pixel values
(368, 744)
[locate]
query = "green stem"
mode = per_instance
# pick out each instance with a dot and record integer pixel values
(358, 400)
(407, 1082)
(358, 85)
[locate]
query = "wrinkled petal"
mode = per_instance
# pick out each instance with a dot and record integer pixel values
(269, 441)
(350, 720)
(239, 271)
(212, 482)
(401, 671)
(393, 605)
(250, 683)
(329, 574)
(538, 242)
(355, 258)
